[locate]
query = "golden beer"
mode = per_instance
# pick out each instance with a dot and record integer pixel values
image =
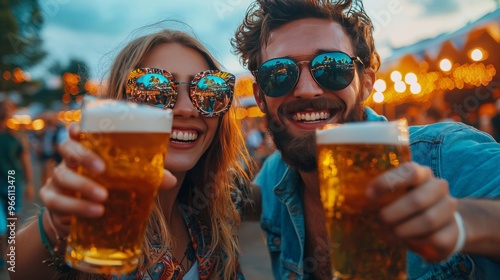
(349, 157)
(133, 148)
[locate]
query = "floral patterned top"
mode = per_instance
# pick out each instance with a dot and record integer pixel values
(168, 268)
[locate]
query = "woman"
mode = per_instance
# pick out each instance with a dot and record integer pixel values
(200, 166)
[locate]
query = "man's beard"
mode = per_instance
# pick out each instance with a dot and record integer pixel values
(299, 152)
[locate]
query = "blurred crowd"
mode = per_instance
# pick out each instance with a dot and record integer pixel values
(486, 118)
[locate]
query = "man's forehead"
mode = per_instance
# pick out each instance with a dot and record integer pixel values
(304, 37)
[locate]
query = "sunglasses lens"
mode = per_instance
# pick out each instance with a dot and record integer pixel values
(213, 93)
(277, 77)
(152, 89)
(333, 71)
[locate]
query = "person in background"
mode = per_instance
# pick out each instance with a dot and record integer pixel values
(191, 233)
(448, 217)
(53, 135)
(433, 115)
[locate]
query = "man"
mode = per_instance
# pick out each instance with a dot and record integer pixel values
(450, 232)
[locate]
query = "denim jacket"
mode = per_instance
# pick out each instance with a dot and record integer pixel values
(467, 158)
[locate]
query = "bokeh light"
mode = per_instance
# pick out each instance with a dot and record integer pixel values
(445, 65)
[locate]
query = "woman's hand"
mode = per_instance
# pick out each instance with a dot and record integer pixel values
(58, 194)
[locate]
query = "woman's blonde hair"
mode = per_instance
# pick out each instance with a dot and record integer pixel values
(213, 181)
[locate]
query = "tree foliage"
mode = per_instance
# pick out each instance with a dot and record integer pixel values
(20, 39)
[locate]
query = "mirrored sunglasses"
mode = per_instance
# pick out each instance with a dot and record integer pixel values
(331, 70)
(210, 91)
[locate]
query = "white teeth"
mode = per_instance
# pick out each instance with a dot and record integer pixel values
(184, 136)
(311, 116)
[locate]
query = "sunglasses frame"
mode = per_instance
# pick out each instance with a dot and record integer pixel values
(297, 63)
(133, 95)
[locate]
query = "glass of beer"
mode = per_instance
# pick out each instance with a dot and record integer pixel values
(132, 140)
(349, 157)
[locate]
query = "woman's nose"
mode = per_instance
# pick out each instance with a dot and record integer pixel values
(183, 106)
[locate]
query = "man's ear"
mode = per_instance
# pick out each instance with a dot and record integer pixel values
(257, 96)
(368, 81)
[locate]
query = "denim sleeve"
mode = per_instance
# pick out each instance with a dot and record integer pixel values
(469, 160)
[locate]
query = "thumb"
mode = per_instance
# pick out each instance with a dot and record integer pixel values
(74, 131)
(169, 181)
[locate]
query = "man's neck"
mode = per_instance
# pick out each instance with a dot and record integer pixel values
(316, 240)
(311, 182)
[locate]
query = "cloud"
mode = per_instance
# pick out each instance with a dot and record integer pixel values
(438, 7)
(85, 16)
(94, 30)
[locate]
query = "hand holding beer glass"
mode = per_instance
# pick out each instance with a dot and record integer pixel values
(132, 141)
(349, 157)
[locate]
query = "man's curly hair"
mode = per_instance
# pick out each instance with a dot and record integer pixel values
(263, 16)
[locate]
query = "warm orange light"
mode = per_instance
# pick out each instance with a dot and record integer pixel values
(396, 76)
(18, 75)
(60, 115)
(244, 86)
(445, 65)
(22, 119)
(400, 87)
(411, 78)
(254, 111)
(38, 124)
(66, 98)
(71, 79)
(241, 113)
(77, 115)
(6, 75)
(13, 124)
(378, 97)
(68, 116)
(380, 85)
(477, 55)
(92, 87)
(415, 88)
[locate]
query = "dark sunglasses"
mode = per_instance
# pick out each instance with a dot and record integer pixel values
(210, 91)
(332, 70)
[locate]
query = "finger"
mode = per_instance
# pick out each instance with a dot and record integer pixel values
(415, 201)
(429, 221)
(61, 221)
(70, 182)
(437, 246)
(60, 203)
(405, 176)
(75, 155)
(169, 181)
(74, 131)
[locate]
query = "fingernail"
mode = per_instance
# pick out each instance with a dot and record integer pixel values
(100, 193)
(98, 166)
(96, 210)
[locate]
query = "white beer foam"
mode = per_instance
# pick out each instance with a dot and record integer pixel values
(394, 132)
(113, 116)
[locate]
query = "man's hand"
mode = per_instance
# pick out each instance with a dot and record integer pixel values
(423, 217)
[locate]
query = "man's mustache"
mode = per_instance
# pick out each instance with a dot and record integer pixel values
(322, 103)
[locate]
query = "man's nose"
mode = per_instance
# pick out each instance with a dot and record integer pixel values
(306, 85)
